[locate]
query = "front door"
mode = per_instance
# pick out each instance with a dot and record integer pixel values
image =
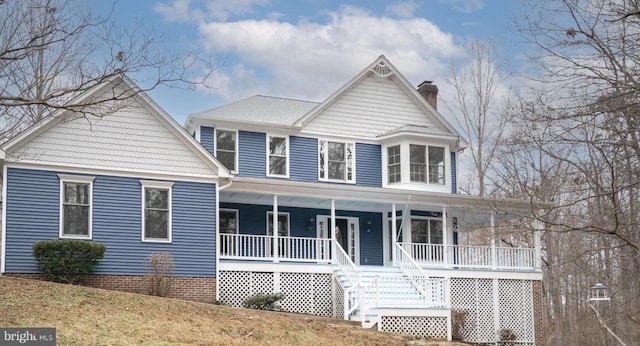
(347, 234)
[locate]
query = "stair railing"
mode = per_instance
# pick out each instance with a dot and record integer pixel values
(351, 272)
(412, 270)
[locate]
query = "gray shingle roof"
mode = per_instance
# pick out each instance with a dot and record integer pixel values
(260, 109)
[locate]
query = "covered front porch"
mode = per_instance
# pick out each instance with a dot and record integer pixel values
(426, 228)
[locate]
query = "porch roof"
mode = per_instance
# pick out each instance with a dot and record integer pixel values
(373, 197)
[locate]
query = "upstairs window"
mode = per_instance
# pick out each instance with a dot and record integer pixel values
(426, 164)
(156, 205)
(226, 148)
(336, 161)
(75, 206)
(393, 157)
(278, 156)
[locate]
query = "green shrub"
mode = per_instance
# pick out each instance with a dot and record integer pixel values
(263, 301)
(67, 260)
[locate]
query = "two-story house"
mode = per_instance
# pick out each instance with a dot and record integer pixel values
(348, 207)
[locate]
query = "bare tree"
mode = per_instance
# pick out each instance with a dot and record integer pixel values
(579, 131)
(476, 101)
(52, 50)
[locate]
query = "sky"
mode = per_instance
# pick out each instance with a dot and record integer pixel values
(307, 49)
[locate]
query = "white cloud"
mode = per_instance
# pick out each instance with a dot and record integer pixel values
(201, 10)
(404, 9)
(310, 60)
(466, 6)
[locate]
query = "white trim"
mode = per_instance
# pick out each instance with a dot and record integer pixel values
(215, 147)
(268, 155)
(110, 172)
(164, 185)
(66, 178)
(3, 242)
(346, 179)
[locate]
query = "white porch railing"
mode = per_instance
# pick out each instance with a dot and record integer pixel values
(471, 257)
(260, 247)
(319, 250)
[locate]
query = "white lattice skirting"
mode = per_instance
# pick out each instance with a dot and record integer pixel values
(306, 293)
(493, 305)
(428, 327)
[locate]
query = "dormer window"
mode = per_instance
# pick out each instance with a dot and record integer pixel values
(336, 161)
(423, 166)
(427, 164)
(393, 155)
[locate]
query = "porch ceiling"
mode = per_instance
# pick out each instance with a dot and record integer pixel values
(254, 190)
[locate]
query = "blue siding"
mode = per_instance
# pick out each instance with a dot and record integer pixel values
(368, 165)
(252, 147)
(206, 139)
(33, 214)
(253, 220)
(303, 152)
(454, 173)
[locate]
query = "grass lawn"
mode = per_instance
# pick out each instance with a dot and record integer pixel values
(89, 316)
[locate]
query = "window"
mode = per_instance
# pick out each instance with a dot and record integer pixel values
(283, 231)
(156, 211)
(228, 230)
(418, 164)
(278, 156)
(336, 161)
(426, 231)
(226, 148)
(76, 206)
(393, 158)
(436, 165)
(283, 224)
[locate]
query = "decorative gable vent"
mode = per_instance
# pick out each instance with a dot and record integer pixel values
(381, 69)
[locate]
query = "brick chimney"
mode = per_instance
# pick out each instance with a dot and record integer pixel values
(429, 92)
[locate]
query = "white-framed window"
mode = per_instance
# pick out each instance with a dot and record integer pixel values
(76, 206)
(394, 164)
(426, 231)
(283, 231)
(336, 161)
(228, 221)
(427, 164)
(156, 211)
(227, 148)
(283, 224)
(277, 156)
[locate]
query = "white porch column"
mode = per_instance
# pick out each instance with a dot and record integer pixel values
(538, 226)
(332, 229)
(493, 241)
(445, 240)
(394, 233)
(275, 228)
